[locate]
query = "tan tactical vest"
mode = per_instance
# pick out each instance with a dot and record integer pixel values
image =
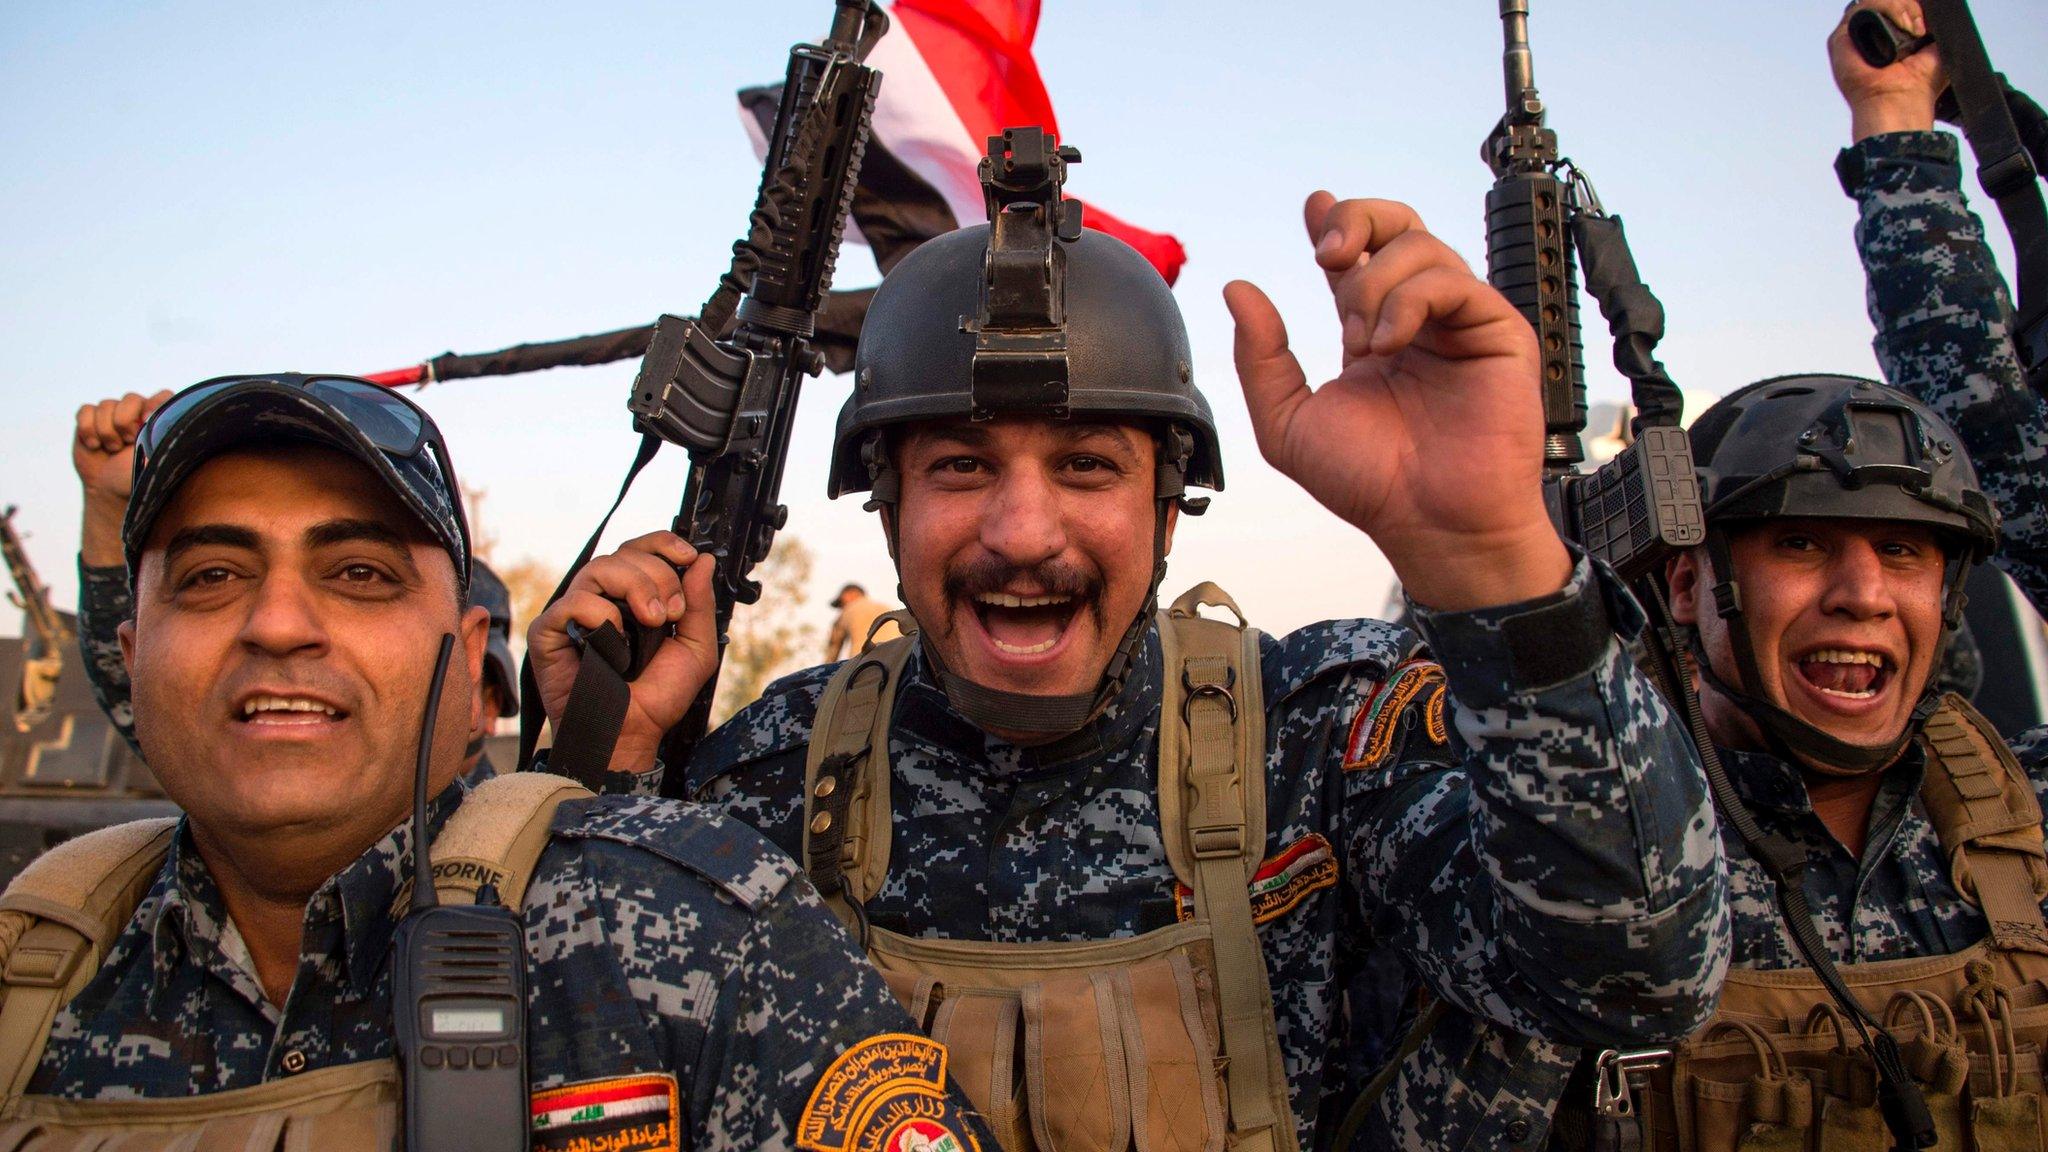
(1163, 1042)
(60, 915)
(1780, 1069)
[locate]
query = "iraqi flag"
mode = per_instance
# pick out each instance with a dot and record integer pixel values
(954, 73)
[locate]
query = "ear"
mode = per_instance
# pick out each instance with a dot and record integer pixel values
(1172, 521)
(475, 637)
(1682, 576)
(126, 633)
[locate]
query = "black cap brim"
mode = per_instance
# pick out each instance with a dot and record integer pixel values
(269, 415)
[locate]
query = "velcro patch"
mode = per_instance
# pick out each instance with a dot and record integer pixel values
(622, 1114)
(884, 1094)
(1379, 718)
(1281, 883)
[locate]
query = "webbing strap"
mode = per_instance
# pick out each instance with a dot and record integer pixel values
(2003, 168)
(1989, 821)
(56, 921)
(1212, 772)
(497, 836)
(846, 827)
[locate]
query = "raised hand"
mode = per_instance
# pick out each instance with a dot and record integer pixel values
(642, 574)
(103, 452)
(1430, 439)
(1897, 98)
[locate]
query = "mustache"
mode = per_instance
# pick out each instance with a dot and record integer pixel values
(992, 574)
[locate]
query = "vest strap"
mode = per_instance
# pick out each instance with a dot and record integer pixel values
(1988, 819)
(64, 910)
(846, 832)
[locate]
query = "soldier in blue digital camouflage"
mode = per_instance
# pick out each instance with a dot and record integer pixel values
(297, 549)
(102, 451)
(1144, 882)
(1847, 515)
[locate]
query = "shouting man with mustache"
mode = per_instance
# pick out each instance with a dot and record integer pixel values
(1134, 867)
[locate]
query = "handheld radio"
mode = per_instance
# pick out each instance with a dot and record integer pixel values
(458, 999)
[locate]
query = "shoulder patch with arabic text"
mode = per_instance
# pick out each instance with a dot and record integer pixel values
(620, 1114)
(884, 1094)
(1281, 883)
(1378, 723)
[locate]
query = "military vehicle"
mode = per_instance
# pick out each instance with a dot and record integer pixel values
(64, 768)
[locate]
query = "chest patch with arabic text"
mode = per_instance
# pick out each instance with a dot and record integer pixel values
(884, 1094)
(1281, 883)
(1378, 723)
(620, 1114)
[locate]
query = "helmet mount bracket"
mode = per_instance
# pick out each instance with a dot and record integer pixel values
(1020, 331)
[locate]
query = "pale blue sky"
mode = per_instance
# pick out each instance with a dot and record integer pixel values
(192, 189)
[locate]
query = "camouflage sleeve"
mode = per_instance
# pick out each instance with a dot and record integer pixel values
(104, 602)
(1944, 324)
(778, 1031)
(1563, 878)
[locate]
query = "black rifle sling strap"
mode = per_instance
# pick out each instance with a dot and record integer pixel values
(2003, 168)
(585, 739)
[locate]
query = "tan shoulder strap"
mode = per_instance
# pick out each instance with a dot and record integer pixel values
(498, 835)
(1988, 816)
(57, 920)
(846, 778)
(1212, 816)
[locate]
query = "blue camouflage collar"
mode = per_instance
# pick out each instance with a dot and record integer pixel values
(1124, 719)
(349, 916)
(1764, 780)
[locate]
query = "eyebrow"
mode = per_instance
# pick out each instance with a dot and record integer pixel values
(203, 535)
(328, 533)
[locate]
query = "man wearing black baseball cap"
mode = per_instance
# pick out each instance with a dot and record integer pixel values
(297, 555)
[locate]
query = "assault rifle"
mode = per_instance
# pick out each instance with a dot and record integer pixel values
(43, 652)
(724, 385)
(1542, 220)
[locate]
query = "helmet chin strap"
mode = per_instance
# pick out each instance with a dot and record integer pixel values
(1043, 719)
(1788, 736)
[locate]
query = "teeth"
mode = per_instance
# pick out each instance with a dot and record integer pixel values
(1866, 694)
(1013, 650)
(1005, 600)
(256, 704)
(1847, 656)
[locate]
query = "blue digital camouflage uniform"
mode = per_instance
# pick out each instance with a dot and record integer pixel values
(1546, 862)
(664, 940)
(1943, 322)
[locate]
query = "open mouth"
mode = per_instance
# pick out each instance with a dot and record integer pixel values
(1024, 625)
(281, 712)
(1846, 674)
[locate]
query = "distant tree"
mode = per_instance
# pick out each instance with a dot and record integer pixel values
(530, 583)
(769, 638)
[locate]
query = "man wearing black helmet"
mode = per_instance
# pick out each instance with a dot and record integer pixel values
(1843, 517)
(1125, 863)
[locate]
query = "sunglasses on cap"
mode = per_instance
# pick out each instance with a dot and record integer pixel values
(395, 425)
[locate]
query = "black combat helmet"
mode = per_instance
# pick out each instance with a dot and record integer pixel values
(1842, 448)
(1029, 315)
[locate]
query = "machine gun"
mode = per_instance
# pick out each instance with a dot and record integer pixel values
(1543, 220)
(50, 634)
(724, 385)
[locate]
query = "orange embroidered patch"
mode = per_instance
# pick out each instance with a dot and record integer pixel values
(1281, 883)
(1379, 717)
(621, 1114)
(884, 1094)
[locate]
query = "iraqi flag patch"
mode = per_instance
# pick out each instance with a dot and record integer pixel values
(1378, 723)
(621, 1114)
(884, 1094)
(1281, 883)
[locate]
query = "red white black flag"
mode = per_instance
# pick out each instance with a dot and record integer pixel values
(954, 73)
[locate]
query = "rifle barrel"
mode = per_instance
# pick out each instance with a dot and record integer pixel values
(1517, 64)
